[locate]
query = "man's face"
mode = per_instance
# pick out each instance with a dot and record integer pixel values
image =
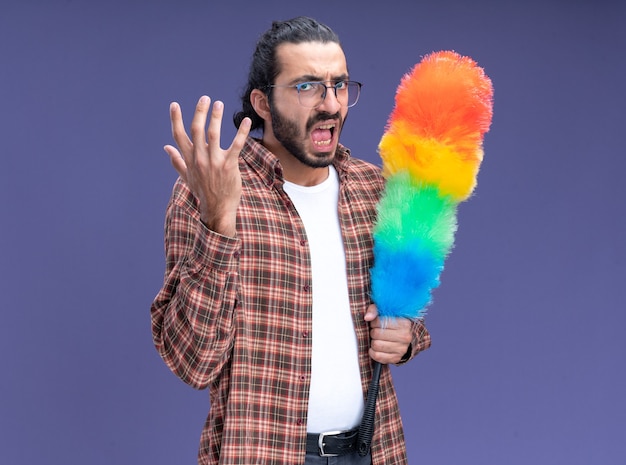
(310, 135)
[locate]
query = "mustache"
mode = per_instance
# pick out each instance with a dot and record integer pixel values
(321, 117)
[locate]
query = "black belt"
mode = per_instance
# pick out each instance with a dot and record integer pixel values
(333, 443)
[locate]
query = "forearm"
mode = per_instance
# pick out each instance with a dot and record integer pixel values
(192, 316)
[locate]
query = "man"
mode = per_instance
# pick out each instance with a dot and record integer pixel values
(266, 298)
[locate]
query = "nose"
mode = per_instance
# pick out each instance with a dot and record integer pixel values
(330, 103)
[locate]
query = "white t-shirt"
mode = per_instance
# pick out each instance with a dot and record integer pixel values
(336, 397)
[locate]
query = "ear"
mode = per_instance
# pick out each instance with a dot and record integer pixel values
(260, 102)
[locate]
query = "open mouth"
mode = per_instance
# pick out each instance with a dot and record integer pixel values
(322, 136)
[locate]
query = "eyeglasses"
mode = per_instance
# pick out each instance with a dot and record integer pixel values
(312, 94)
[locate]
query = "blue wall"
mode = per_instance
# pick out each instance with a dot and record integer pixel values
(529, 354)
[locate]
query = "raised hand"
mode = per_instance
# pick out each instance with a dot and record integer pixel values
(212, 173)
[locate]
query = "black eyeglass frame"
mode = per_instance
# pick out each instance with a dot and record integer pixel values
(334, 86)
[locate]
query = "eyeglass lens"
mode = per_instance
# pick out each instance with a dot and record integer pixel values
(313, 94)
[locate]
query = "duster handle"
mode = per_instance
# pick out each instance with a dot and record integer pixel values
(366, 430)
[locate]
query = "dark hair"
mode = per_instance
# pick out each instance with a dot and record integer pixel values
(264, 67)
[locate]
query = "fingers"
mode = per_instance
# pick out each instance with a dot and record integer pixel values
(387, 357)
(390, 344)
(213, 133)
(178, 129)
(198, 123)
(177, 161)
(389, 349)
(215, 126)
(198, 158)
(197, 129)
(391, 330)
(390, 337)
(371, 313)
(240, 137)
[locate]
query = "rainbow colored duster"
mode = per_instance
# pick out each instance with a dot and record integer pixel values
(431, 152)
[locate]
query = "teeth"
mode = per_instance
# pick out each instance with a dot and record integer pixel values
(325, 143)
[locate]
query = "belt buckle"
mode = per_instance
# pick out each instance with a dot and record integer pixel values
(320, 443)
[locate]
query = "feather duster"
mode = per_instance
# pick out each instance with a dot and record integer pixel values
(431, 151)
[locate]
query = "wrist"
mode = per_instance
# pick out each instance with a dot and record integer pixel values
(406, 357)
(224, 225)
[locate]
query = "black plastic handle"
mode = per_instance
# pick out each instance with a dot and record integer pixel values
(366, 430)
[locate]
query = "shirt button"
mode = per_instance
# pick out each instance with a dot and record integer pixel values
(299, 422)
(305, 334)
(302, 242)
(306, 288)
(236, 254)
(302, 377)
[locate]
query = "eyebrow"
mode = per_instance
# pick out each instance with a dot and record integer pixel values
(313, 78)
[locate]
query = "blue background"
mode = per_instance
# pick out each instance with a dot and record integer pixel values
(528, 363)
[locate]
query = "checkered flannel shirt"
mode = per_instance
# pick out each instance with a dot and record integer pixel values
(234, 314)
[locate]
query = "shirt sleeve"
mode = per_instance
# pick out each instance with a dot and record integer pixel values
(420, 340)
(192, 315)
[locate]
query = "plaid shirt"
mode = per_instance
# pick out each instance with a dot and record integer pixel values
(234, 314)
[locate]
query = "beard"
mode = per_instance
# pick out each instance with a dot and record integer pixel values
(289, 135)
